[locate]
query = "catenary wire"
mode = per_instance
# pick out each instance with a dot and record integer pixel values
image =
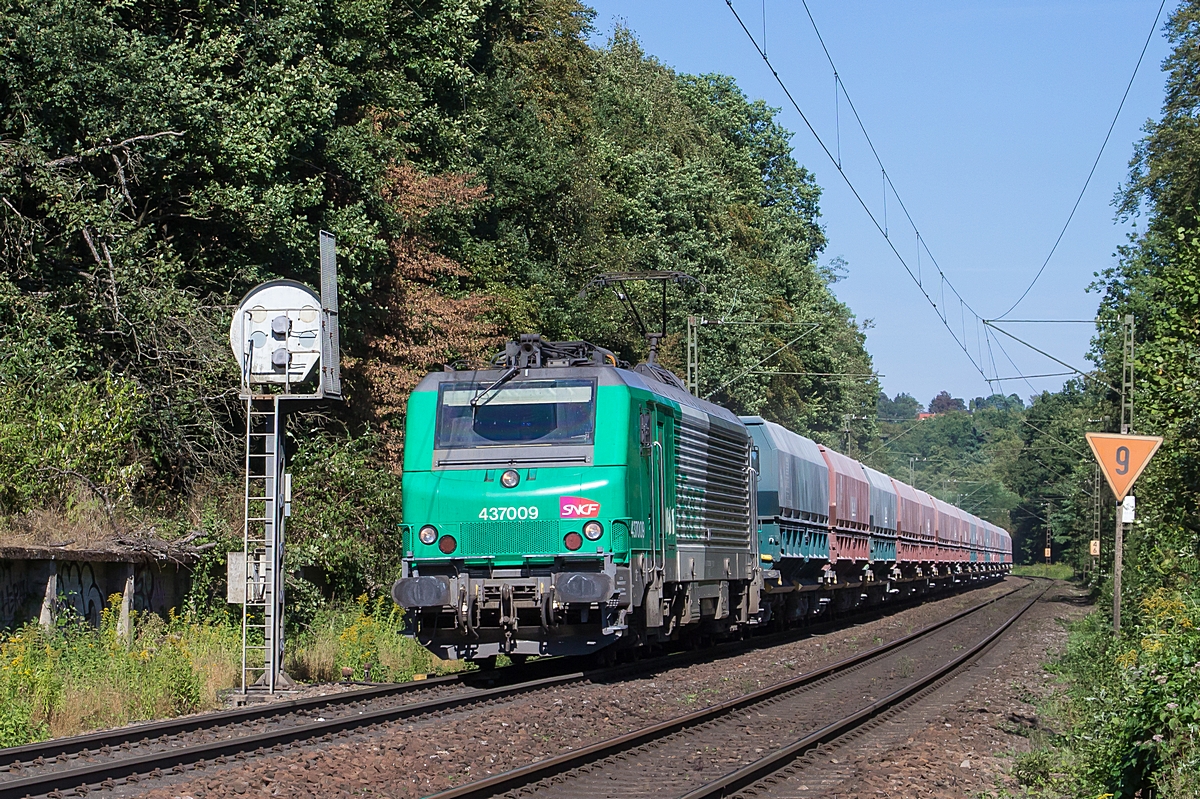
(1031, 377)
(1013, 363)
(944, 281)
(1095, 163)
(858, 196)
(895, 192)
(1051, 357)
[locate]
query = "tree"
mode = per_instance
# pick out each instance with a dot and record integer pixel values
(605, 160)
(1164, 177)
(961, 458)
(944, 403)
(999, 402)
(1053, 477)
(479, 162)
(904, 406)
(1135, 734)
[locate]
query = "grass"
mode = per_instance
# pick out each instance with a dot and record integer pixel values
(1053, 571)
(362, 636)
(75, 678)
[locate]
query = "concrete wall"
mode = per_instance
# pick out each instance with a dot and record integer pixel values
(84, 581)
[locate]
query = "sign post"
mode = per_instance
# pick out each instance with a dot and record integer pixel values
(1122, 458)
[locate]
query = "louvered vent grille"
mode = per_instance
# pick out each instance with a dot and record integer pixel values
(713, 486)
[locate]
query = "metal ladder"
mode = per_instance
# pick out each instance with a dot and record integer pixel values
(262, 538)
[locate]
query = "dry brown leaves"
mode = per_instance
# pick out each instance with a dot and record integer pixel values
(430, 316)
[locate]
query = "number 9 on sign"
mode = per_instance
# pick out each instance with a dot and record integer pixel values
(1122, 460)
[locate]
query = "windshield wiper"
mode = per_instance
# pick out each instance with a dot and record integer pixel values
(477, 400)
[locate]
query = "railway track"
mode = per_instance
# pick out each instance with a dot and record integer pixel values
(723, 749)
(98, 760)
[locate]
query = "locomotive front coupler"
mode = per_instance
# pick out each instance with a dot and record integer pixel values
(619, 625)
(508, 617)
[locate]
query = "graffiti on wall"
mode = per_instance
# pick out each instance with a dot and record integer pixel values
(148, 590)
(85, 587)
(13, 594)
(78, 588)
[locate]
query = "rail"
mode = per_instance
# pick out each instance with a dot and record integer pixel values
(551, 767)
(116, 744)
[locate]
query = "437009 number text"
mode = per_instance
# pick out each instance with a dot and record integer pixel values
(496, 514)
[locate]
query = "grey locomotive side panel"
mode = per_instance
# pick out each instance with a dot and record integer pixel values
(715, 536)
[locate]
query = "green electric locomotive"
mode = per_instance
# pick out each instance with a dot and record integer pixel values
(559, 503)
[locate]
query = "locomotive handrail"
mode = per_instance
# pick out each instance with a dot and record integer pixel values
(659, 478)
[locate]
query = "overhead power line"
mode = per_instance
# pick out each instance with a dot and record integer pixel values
(1030, 377)
(1079, 372)
(881, 226)
(1095, 163)
(936, 297)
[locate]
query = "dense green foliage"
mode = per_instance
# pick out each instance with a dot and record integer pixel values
(75, 678)
(479, 163)
(956, 456)
(1133, 721)
(365, 636)
(902, 406)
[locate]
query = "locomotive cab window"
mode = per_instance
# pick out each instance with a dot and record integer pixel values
(526, 412)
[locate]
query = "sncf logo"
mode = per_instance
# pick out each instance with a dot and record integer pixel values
(577, 508)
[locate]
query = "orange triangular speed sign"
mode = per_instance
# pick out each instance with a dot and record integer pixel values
(1122, 458)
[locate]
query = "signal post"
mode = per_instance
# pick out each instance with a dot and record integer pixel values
(279, 333)
(1122, 458)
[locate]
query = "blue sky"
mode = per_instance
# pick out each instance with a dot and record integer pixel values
(987, 117)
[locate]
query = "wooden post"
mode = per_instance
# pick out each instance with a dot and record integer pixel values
(1117, 555)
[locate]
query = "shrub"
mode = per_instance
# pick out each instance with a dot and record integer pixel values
(1135, 701)
(1034, 768)
(75, 678)
(1053, 571)
(355, 635)
(55, 435)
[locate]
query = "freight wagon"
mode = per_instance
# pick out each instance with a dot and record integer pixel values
(560, 503)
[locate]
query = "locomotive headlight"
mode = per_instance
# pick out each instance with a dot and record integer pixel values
(428, 534)
(510, 478)
(593, 530)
